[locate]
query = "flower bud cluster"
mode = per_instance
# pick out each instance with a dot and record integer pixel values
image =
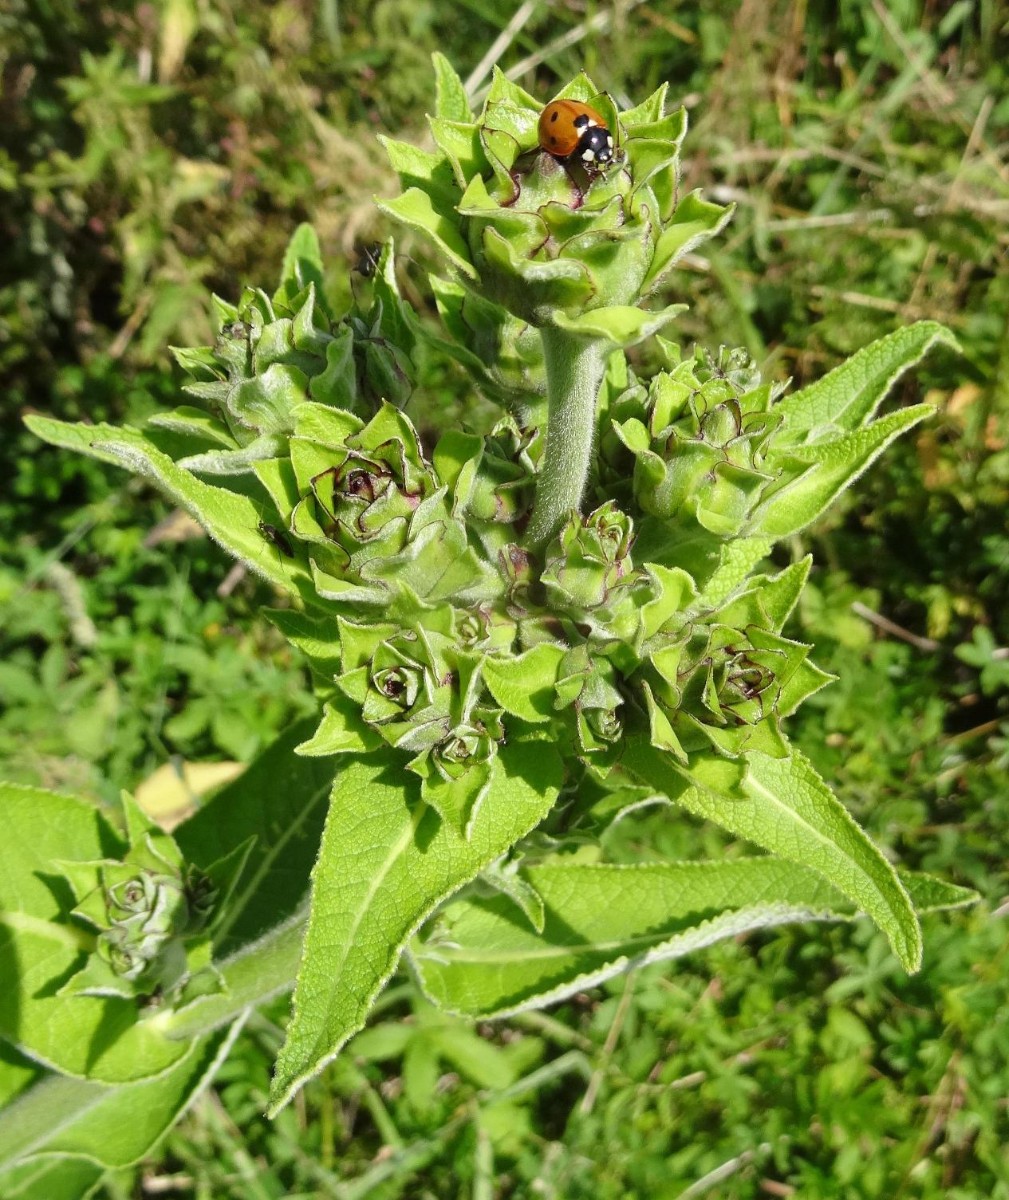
(274, 353)
(698, 443)
(538, 237)
(145, 912)
(152, 915)
(724, 678)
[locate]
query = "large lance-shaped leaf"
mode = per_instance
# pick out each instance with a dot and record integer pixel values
(386, 861)
(847, 397)
(824, 470)
(41, 947)
(114, 1126)
(481, 959)
(230, 519)
(783, 806)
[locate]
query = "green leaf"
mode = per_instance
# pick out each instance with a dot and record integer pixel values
(647, 111)
(330, 427)
(242, 461)
(785, 807)
(416, 210)
(807, 680)
(456, 801)
(832, 466)
(315, 636)
(386, 862)
(848, 396)
(302, 265)
(51, 1179)
(17, 1074)
(277, 477)
(114, 1126)
(929, 894)
(736, 559)
(459, 142)
(195, 423)
(229, 518)
(506, 880)
(341, 731)
(674, 591)
(620, 324)
(538, 287)
(451, 102)
(779, 594)
(600, 920)
(280, 801)
(503, 91)
(694, 221)
(524, 685)
(420, 168)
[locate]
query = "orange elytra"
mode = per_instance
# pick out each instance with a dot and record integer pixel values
(571, 130)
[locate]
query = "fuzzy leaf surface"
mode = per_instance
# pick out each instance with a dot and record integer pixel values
(114, 1126)
(482, 960)
(783, 806)
(386, 861)
(828, 468)
(230, 519)
(843, 400)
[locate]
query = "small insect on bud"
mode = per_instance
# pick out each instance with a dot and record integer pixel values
(276, 538)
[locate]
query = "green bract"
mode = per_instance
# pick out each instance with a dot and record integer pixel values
(515, 638)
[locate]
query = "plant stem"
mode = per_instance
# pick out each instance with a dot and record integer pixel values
(253, 974)
(575, 367)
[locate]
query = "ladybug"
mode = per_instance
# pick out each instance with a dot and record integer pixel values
(572, 131)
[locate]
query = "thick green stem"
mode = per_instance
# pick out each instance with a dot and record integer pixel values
(252, 975)
(575, 367)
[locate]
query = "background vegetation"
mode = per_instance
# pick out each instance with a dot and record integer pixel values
(151, 153)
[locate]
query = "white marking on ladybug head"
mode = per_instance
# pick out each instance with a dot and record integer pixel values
(589, 155)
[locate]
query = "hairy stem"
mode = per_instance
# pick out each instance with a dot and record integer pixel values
(251, 975)
(575, 367)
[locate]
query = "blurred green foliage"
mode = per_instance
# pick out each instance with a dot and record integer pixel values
(152, 153)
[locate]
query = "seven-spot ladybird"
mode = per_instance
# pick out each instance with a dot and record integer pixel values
(571, 130)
